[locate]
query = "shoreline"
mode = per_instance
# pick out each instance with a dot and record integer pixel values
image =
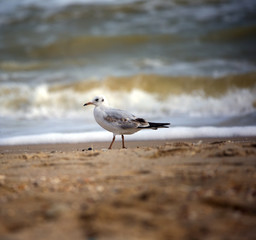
(171, 133)
(99, 145)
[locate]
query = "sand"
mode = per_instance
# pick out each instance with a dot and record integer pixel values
(179, 189)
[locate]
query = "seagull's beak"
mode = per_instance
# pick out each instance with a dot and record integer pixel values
(89, 103)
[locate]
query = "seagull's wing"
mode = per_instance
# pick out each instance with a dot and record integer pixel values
(123, 119)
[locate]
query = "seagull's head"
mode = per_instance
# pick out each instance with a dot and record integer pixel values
(96, 101)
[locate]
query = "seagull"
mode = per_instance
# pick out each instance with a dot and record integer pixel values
(118, 121)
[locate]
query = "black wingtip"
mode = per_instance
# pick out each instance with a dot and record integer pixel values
(157, 125)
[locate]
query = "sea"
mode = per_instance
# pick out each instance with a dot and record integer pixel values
(188, 62)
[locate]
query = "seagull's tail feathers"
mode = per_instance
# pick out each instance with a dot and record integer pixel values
(155, 126)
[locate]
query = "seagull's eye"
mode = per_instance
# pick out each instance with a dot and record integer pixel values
(96, 99)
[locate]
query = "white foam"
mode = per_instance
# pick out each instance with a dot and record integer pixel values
(161, 134)
(24, 101)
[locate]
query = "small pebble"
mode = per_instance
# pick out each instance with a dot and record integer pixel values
(88, 149)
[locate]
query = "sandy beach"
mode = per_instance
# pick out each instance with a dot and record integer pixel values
(178, 189)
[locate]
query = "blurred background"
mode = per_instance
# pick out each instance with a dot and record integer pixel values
(188, 62)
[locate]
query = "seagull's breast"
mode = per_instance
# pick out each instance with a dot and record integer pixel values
(103, 120)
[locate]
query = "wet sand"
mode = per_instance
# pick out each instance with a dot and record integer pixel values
(178, 189)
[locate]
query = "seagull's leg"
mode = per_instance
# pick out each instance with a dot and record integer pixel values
(123, 141)
(114, 137)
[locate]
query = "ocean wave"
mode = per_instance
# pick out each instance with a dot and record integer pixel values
(74, 68)
(141, 94)
(162, 134)
(235, 34)
(16, 66)
(167, 85)
(81, 45)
